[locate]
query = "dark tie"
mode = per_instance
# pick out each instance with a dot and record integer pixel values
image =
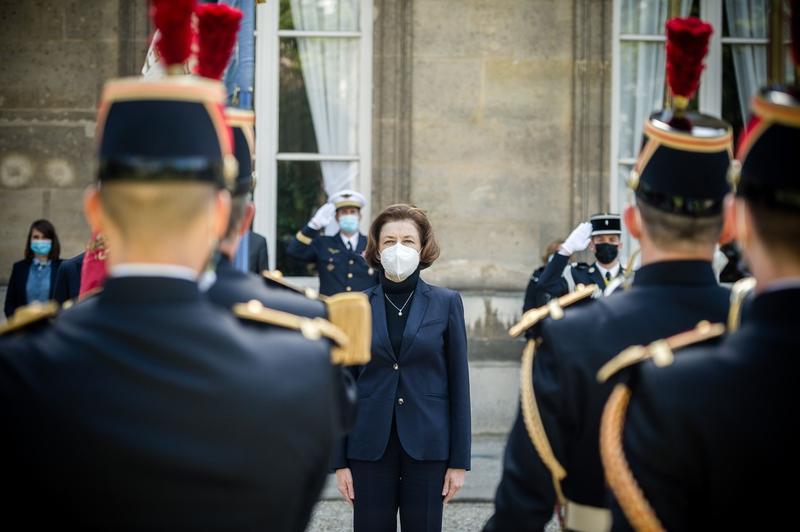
(349, 246)
(608, 277)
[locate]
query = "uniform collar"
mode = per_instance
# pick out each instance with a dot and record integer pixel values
(353, 240)
(614, 269)
(151, 290)
(774, 306)
(676, 272)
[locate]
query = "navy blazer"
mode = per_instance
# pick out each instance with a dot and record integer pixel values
(340, 270)
(430, 375)
(17, 295)
(257, 254)
(68, 279)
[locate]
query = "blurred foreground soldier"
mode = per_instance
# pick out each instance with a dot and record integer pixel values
(552, 456)
(534, 295)
(340, 257)
(145, 406)
(711, 436)
(233, 286)
(601, 234)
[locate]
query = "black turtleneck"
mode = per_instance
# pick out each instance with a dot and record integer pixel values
(398, 293)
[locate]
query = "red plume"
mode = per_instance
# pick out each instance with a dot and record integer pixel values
(217, 25)
(687, 45)
(173, 19)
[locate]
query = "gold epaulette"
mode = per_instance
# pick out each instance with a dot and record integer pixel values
(351, 312)
(739, 292)
(276, 277)
(661, 351)
(619, 476)
(310, 328)
(554, 308)
(28, 315)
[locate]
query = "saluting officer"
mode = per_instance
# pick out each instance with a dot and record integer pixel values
(601, 234)
(711, 440)
(145, 406)
(340, 257)
(552, 455)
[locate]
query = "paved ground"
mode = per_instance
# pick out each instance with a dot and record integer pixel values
(336, 516)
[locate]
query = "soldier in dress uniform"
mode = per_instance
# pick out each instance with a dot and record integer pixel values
(145, 406)
(711, 437)
(552, 456)
(340, 257)
(601, 234)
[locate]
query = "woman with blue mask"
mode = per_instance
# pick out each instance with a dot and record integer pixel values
(410, 446)
(33, 278)
(339, 257)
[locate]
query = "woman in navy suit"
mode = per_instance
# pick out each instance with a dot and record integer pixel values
(33, 278)
(410, 446)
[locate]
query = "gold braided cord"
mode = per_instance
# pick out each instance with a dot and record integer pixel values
(533, 421)
(739, 292)
(620, 479)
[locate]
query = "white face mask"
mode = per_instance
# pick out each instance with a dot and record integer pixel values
(399, 262)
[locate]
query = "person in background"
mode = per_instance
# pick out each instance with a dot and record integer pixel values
(258, 256)
(68, 278)
(340, 257)
(410, 446)
(33, 278)
(534, 296)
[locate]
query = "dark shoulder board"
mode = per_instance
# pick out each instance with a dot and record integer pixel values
(660, 351)
(275, 278)
(29, 315)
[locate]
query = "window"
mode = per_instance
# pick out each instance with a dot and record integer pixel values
(313, 113)
(736, 66)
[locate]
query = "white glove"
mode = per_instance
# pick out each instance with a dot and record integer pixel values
(578, 239)
(323, 216)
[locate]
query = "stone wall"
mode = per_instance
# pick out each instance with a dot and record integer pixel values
(56, 56)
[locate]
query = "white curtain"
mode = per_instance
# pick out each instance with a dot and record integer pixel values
(748, 18)
(330, 71)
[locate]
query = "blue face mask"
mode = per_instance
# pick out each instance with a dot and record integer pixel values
(348, 223)
(41, 247)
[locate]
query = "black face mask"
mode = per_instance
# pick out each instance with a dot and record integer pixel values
(605, 253)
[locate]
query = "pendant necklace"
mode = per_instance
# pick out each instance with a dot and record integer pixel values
(399, 309)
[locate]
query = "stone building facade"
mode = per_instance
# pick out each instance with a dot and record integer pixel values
(491, 115)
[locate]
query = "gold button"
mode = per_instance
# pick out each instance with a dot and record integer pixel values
(349, 275)
(350, 262)
(349, 289)
(396, 367)
(400, 401)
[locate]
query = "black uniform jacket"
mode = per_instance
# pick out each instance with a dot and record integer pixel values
(257, 254)
(234, 286)
(68, 279)
(666, 298)
(552, 284)
(340, 269)
(146, 407)
(712, 439)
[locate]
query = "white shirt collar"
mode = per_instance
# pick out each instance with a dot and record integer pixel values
(140, 269)
(614, 269)
(353, 240)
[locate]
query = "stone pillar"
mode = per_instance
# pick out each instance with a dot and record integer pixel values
(392, 109)
(56, 57)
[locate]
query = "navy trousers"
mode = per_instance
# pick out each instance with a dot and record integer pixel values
(397, 481)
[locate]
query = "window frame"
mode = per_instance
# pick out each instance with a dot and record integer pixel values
(268, 35)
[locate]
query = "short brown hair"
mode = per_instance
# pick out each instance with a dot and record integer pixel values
(778, 228)
(394, 213)
(668, 230)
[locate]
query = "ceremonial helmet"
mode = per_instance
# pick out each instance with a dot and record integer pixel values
(682, 167)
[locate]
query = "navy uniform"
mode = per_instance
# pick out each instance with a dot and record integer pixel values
(552, 456)
(145, 406)
(341, 266)
(559, 277)
(710, 439)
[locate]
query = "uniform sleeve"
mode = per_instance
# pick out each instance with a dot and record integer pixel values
(550, 281)
(656, 449)
(12, 302)
(458, 385)
(61, 291)
(525, 498)
(532, 293)
(302, 245)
